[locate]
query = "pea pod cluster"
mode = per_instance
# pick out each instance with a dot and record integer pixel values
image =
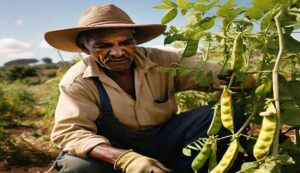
(227, 110)
(202, 156)
(265, 138)
(228, 158)
(216, 122)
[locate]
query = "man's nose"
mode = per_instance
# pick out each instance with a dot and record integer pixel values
(116, 51)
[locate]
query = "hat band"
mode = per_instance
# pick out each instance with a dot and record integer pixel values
(108, 22)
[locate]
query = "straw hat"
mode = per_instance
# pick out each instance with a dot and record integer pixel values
(104, 16)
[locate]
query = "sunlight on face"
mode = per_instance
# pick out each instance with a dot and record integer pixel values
(112, 48)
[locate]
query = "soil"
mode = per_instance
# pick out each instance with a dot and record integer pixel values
(29, 150)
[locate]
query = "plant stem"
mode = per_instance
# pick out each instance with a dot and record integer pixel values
(207, 52)
(224, 137)
(254, 111)
(231, 80)
(275, 81)
(62, 59)
(250, 137)
(265, 47)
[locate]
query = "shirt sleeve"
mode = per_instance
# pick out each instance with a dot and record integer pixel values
(74, 128)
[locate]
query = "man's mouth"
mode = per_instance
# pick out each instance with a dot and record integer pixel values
(116, 60)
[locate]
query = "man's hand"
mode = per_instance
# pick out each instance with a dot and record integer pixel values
(132, 162)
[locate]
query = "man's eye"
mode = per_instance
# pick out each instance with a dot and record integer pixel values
(102, 47)
(127, 43)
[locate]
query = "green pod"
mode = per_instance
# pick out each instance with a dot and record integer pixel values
(237, 52)
(264, 88)
(228, 158)
(203, 155)
(216, 122)
(213, 157)
(266, 135)
(227, 110)
(169, 16)
(191, 48)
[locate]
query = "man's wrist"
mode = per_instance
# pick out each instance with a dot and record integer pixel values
(106, 153)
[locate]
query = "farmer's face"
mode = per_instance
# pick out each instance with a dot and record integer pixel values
(113, 49)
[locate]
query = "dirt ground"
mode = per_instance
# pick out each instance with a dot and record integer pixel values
(29, 151)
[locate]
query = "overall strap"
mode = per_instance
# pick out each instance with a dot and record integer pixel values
(104, 99)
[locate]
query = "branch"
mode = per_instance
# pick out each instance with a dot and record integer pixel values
(247, 122)
(275, 81)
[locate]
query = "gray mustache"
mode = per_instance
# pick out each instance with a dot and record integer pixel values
(109, 58)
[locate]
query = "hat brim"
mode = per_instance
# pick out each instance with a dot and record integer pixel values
(65, 39)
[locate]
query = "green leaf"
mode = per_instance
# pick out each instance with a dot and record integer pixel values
(169, 3)
(203, 78)
(294, 87)
(193, 18)
(173, 71)
(291, 117)
(184, 4)
(184, 71)
(173, 29)
(266, 20)
(175, 37)
(163, 7)
(265, 5)
(190, 49)
(205, 7)
(187, 152)
(200, 34)
(248, 166)
(254, 13)
(225, 8)
(227, 11)
(291, 45)
(207, 22)
(169, 16)
(183, 11)
(289, 101)
(163, 69)
(283, 160)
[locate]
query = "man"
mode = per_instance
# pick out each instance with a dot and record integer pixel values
(116, 111)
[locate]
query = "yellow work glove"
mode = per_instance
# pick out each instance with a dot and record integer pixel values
(132, 162)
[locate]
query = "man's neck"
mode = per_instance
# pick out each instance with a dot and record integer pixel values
(119, 74)
(125, 79)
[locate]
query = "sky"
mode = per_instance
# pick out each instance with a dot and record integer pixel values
(24, 22)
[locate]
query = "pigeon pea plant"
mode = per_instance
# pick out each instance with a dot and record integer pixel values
(255, 39)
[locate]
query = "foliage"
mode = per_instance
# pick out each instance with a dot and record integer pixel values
(21, 62)
(19, 72)
(252, 40)
(47, 60)
(20, 104)
(188, 100)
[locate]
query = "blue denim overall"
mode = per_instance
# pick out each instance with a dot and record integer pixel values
(163, 142)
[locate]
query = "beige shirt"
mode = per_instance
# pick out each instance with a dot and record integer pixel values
(79, 102)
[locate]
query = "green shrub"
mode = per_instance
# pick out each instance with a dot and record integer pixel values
(19, 72)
